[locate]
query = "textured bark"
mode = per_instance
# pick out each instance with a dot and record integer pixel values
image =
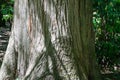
(51, 40)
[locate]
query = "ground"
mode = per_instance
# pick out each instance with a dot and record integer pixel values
(4, 37)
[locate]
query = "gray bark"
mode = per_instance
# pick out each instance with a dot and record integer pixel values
(51, 40)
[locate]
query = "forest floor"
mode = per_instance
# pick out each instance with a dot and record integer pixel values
(111, 76)
(4, 37)
(115, 75)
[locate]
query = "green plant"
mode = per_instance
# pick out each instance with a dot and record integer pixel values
(6, 11)
(106, 20)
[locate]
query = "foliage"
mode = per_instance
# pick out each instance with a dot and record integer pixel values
(6, 11)
(106, 20)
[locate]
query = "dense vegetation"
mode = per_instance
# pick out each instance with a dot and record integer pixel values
(6, 12)
(106, 22)
(106, 19)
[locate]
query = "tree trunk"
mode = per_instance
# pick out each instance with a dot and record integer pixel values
(51, 40)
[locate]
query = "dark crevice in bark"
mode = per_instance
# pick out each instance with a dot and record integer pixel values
(16, 59)
(49, 47)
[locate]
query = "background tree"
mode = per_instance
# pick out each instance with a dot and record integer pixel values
(51, 40)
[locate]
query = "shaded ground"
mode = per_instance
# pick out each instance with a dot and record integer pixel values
(4, 37)
(111, 76)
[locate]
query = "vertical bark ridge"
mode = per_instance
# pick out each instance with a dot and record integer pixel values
(50, 49)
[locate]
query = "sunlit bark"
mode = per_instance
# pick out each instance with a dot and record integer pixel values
(51, 40)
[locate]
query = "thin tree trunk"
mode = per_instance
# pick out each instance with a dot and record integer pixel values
(51, 40)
